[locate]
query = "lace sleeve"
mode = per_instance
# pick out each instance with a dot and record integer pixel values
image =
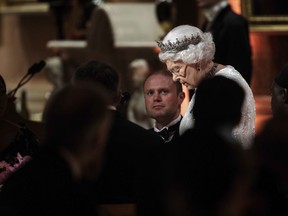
(245, 131)
(187, 121)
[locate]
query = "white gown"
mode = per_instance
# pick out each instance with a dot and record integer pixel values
(245, 131)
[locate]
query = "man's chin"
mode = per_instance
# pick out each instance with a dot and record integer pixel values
(157, 116)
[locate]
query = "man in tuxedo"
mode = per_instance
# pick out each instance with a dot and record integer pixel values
(279, 94)
(131, 150)
(231, 35)
(77, 123)
(163, 99)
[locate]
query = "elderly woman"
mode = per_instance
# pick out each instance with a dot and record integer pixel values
(188, 54)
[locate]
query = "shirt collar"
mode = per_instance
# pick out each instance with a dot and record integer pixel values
(175, 121)
(211, 13)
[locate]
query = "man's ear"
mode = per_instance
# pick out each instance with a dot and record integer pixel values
(182, 96)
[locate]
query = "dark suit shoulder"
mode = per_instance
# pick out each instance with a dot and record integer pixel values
(127, 130)
(129, 148)
(228, 16)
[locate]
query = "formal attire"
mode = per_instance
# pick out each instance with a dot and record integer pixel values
(44, 186)
(130, 150)
(170, 132)
(152, 192)
(244, 132)
(231, 36)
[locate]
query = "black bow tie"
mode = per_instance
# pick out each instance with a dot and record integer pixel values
(164, 134)
(167, 134)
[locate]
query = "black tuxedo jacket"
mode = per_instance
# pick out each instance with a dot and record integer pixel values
(231, 36)
(129, 154)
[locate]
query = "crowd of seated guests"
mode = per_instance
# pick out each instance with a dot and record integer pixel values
(92, 156)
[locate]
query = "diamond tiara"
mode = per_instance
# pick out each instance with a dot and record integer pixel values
(178, 45)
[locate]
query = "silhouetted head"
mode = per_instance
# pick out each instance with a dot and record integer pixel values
(77, 121)
(279, 95)
(218, 102)
(100, 73)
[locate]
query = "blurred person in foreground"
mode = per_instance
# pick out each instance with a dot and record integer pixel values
(270, 188)
(279, 94)
(131, 150)
(77, 122)
(189, 55)
(163, 99)
(231, 35)
(207, 174)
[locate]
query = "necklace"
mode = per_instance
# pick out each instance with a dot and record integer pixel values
(211, 73)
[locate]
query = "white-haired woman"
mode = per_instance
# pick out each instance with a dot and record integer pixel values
(188, 54)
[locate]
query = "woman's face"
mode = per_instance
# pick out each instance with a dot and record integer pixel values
(186, 74)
